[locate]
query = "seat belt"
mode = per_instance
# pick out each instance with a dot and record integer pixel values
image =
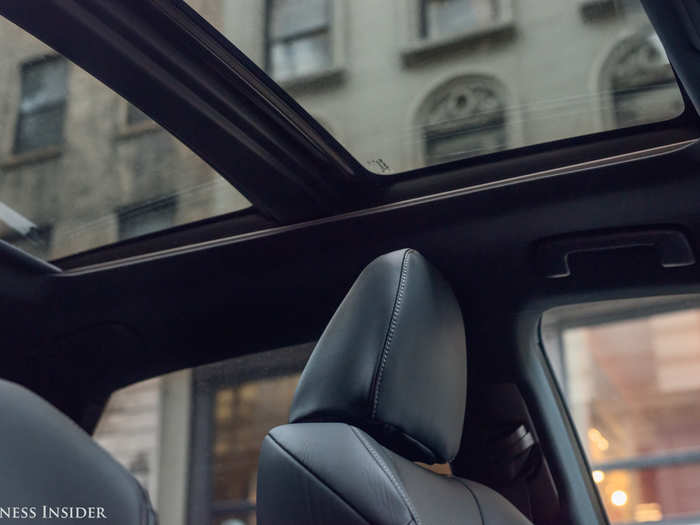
(500, 449)
(513, 459)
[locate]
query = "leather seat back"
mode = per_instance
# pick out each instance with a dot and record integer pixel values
(51, 471)
(384, 387)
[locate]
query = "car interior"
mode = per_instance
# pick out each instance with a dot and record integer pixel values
(505, 336)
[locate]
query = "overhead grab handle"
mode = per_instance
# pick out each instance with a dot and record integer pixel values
(672, 247)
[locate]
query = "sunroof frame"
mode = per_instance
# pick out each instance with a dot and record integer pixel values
(287, 164)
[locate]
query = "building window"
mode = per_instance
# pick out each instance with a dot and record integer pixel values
(42, 106)
(299, 40)
(447, 17)
(642, 85)
(463, 118)
(146, 218)
(236, 402)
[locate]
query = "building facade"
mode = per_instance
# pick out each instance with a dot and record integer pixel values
(400, 83)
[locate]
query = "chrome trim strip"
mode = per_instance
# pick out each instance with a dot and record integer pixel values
(545, 174)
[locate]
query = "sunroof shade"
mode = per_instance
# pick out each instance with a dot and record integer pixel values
(80, 167)
(413, 83)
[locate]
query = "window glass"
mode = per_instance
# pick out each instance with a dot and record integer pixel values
(42, 104)
(146, 218)
(81, 168)
(630, 372)
(546, 70)
(298, 37)
(192, 438)
(445, 17)
(243, 414)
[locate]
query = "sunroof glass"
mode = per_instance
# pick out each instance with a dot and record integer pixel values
(434, 81)
(80, 167)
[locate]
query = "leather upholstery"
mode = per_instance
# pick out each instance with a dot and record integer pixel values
(47, 460)
(392, 361)
(385, 385)
(333, 473)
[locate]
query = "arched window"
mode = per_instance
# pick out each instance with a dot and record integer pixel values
(642, 88)
(463, 118)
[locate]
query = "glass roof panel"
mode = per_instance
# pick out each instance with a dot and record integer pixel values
(80, 167)
(412, 83)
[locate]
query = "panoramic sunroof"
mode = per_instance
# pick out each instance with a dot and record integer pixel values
(434, 81)
(80, 167)
(401, 85)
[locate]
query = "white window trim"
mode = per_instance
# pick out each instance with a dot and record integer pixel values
(336, 69)
(415, 46)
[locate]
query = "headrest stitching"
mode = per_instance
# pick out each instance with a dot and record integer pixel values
(403, 277)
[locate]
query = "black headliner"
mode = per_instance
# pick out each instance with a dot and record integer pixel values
(76, 336)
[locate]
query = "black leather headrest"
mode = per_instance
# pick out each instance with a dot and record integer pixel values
(392, 361)
(52, 471)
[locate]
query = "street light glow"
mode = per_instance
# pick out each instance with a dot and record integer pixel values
(618, 498)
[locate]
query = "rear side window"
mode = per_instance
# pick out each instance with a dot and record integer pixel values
(630, 372)
(192, 438)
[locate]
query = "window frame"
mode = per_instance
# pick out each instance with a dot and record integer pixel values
(336, 67)
(62, 104)
(417, 44)
(186, 38)
(625, 310)
(559, 439)
(123, 213)
(423, 25)
(206, 381)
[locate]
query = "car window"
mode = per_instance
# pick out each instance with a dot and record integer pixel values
(192, 438)
(630, 372)
(80, 167)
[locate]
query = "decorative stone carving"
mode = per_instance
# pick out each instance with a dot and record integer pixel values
(640, 81)
(639, 63)
(463, 118)
(471, 103)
